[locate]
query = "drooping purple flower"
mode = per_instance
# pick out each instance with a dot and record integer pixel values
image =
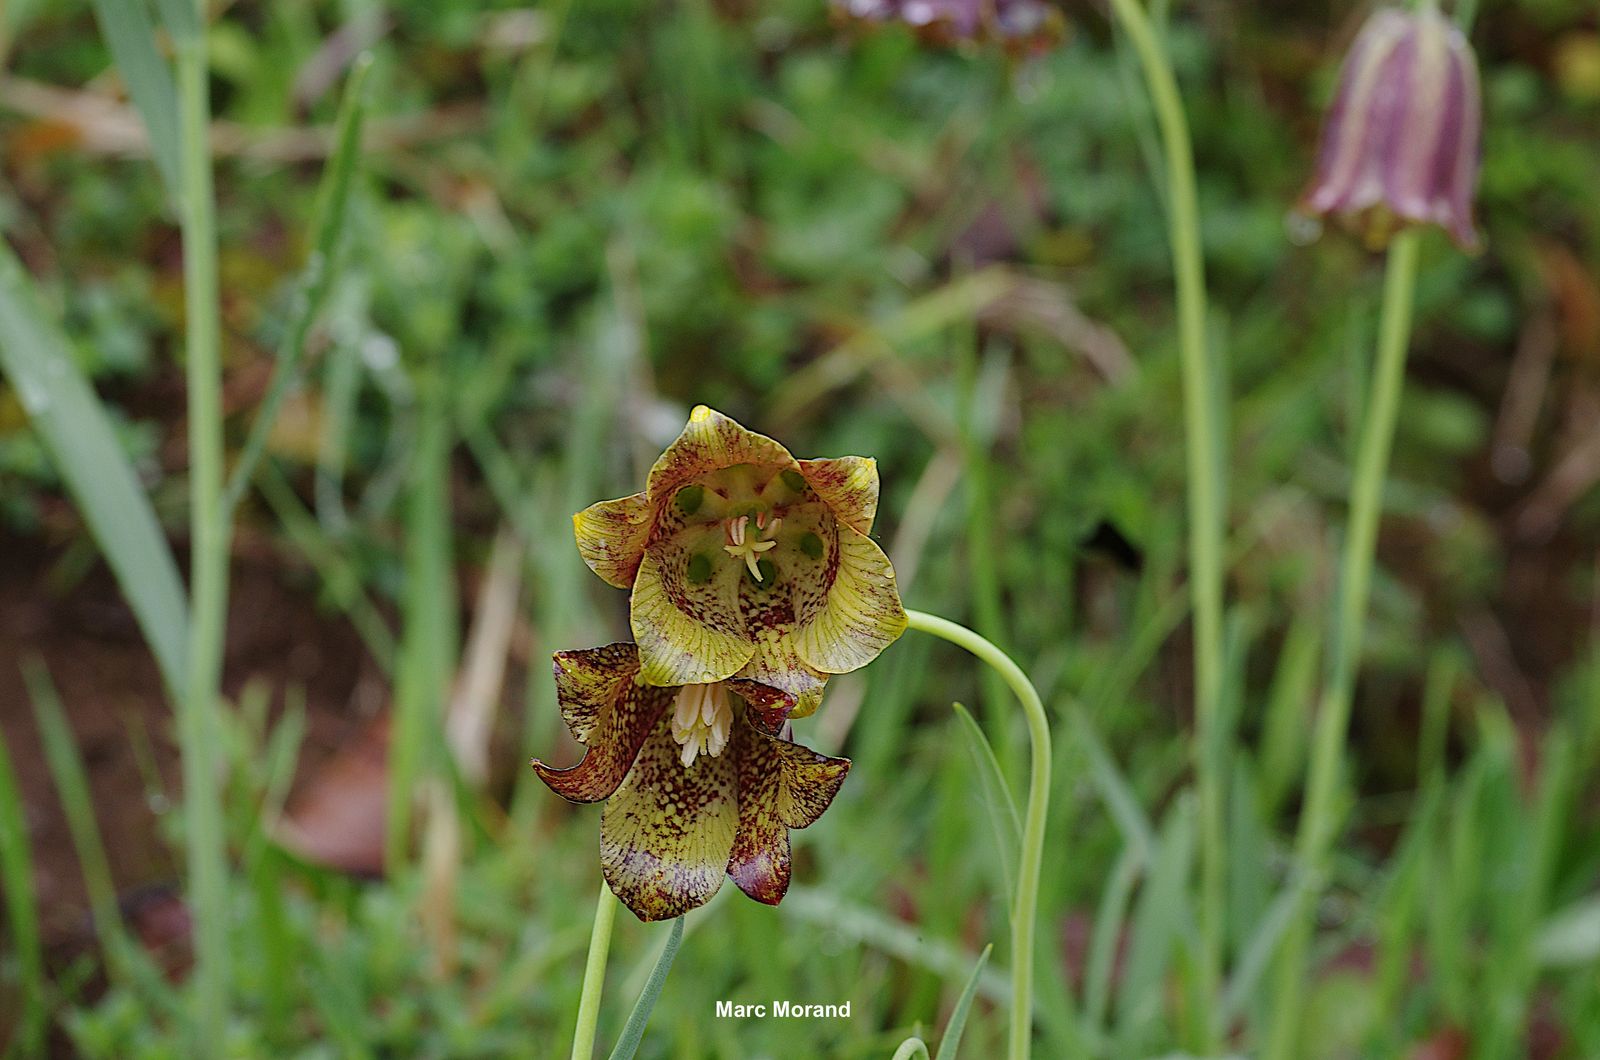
(1015, 24)
(1401, 143)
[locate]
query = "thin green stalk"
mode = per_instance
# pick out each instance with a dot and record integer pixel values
(22, 910)
(316, 280)
(1204, 444)
(1025, 904)
(1319, 819)
(209, 541)
(428, 640)
(594, 975)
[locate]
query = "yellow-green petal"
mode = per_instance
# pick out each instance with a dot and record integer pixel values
(860, 614)
(710, 442)
(848, 485)
(612, 535)
(687, 634)
(667, 833)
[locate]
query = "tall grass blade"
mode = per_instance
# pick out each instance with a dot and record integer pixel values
(1005, 823)
(1115, 790)
(131, 38)
(1159, 919)
(1107, 937)
(957, 1026)
(428, 647)
(76, 431)
(72, 787)
(316, 280)
(633, 1030)
(22, 909)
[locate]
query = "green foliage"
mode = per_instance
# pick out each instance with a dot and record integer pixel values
(569, 225)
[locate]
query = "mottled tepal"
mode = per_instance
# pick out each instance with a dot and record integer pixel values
(1015, 24)
(697, 780)
(745, 562)
(1401, 144)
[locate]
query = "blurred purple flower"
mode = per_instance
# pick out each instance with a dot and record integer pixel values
(1020, 24)
(1401, 144)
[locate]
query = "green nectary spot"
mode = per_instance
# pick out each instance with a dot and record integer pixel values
(794, 480)
(769, 574)
(699, 568)
(689, 498)
(811, 545)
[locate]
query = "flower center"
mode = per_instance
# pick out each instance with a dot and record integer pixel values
(748, 547)
(702, 717)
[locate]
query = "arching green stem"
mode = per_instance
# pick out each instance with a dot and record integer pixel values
(594, 975)
(1025, 904)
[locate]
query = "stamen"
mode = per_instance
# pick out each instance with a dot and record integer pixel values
(702, 718)
(750, 551)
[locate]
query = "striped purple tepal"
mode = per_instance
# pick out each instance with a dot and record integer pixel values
(1401, 143)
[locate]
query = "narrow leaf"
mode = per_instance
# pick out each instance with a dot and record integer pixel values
(76, 431)
(131, 38)
(1005, 824)
(633, 1030)
(316, 279)
(22, 907)
(957, 1026)
(72, 787)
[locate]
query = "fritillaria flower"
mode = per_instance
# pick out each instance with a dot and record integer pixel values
(1015, 24)
(745, 562)
(696, 781)
(1401, 142)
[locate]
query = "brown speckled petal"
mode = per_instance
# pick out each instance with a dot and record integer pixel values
(769, 707)
(848, 485)
(710, 442)
(777, 665)
(607, 711)
(611, 536)
(782, 785)
(666, 835)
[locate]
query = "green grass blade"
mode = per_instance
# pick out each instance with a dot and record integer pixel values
(428, 641)
(1107, 937)
(1005, 824)
(957, 1026)
(633, 1030)
(1158, 923)
(131, 38)
(22, 909)
(72, 787)
(76, 431)
(316, 280)
(911, 1047)
(1115, 790)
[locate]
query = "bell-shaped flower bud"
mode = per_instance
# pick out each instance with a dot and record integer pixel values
(1401, 143)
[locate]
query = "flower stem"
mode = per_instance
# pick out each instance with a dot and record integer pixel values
(1319, 820)
(1025, 904)
(594, 975)
(210, 532)
(1204, 444)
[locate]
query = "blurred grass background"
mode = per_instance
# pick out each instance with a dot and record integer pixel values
(569, 222)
